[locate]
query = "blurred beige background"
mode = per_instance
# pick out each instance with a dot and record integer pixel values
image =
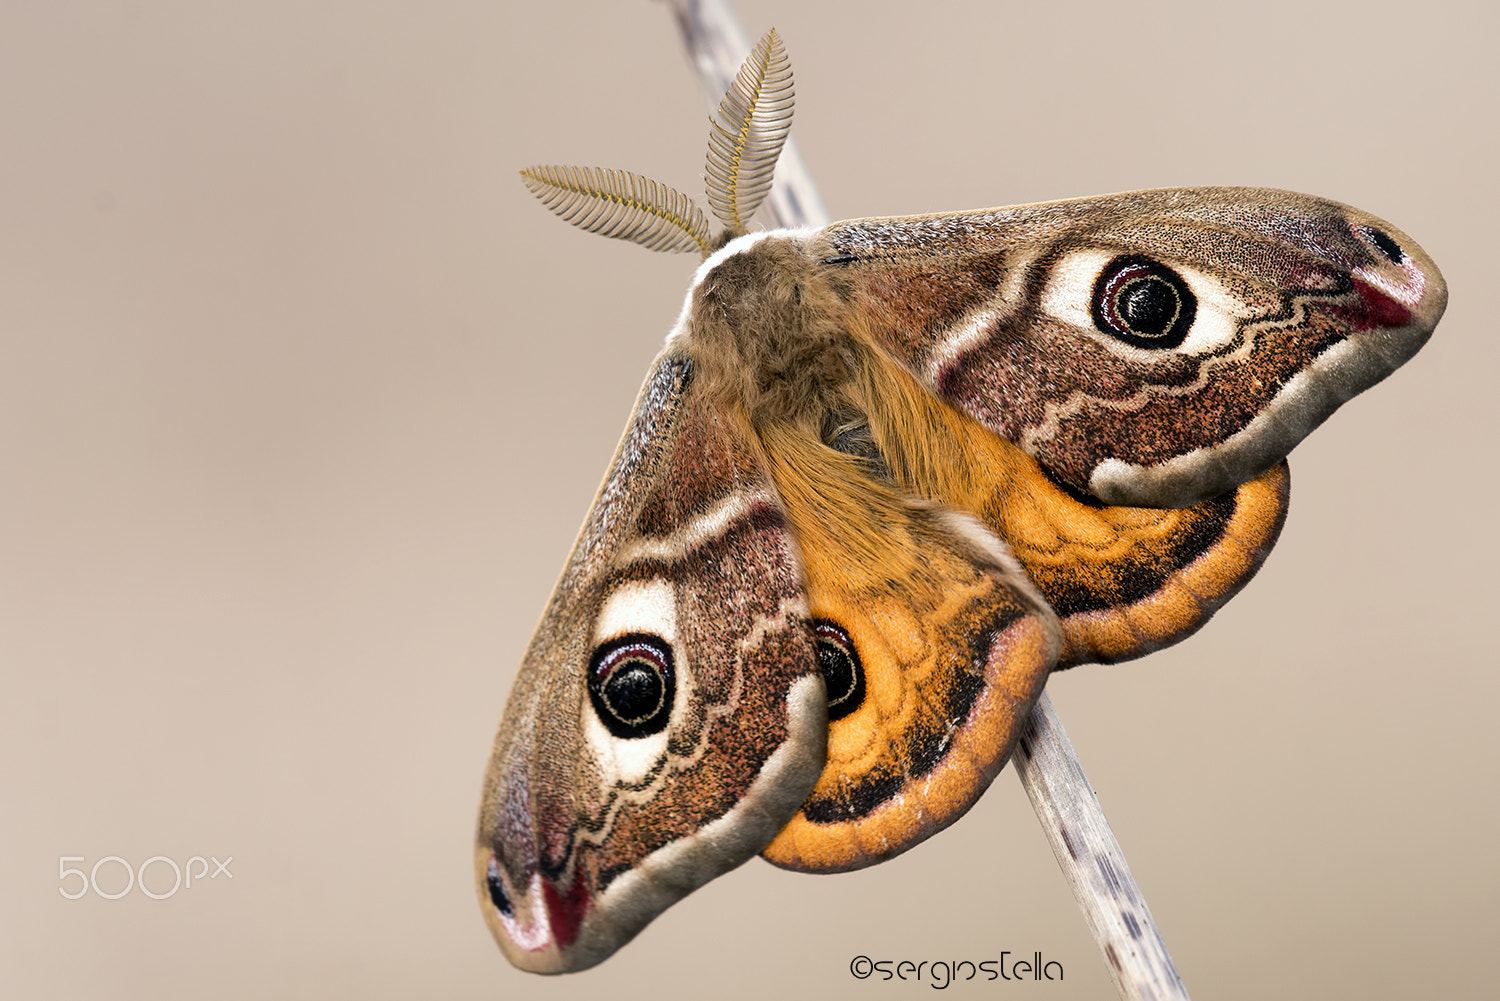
(302, 399)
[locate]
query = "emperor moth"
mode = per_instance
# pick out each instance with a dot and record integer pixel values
(884, 477)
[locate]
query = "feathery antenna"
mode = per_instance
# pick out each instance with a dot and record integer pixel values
(621, 205)
(743, 144)
(746, 137)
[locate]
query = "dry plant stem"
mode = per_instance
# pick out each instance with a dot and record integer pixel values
(1092, 860)
(1065, 804)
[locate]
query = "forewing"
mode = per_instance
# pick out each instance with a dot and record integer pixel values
(1054, 326)
(669, 716)
(1298, 303)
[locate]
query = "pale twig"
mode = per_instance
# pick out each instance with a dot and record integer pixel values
(1065, 804)
(1092, 860)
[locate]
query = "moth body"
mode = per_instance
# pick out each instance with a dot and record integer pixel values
(883, 479)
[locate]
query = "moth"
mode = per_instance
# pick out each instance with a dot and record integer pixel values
(884, 477)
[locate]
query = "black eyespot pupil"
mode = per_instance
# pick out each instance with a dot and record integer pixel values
(631, 685)
(634, 691)
(1143, 303)
(1148, 305)
(842, 672)
(498, 896)
(1390, 248)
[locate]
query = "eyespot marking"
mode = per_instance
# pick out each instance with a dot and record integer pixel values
(1143, 303)
(631, 684)
(842, 671)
